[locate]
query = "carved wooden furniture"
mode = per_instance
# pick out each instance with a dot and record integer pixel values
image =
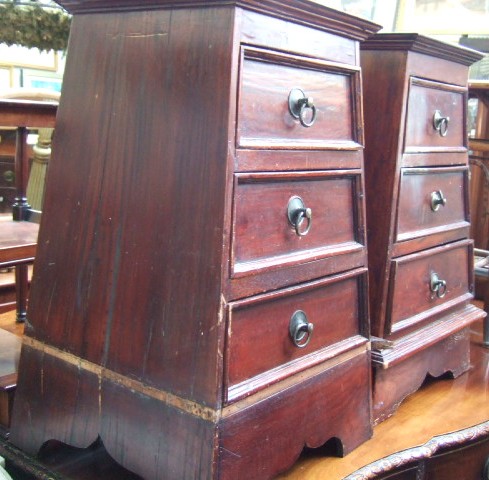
(202, 285)
(420, 257)
(18, 237)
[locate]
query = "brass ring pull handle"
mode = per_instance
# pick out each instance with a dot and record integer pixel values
(440, 123)
(297, 213)
(437, 199)
(300, 329)
(299, 105)
(437, 285)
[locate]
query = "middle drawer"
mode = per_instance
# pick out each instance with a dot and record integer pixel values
(290, 218)
(432, 200)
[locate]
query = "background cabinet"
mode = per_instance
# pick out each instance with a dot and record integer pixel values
(420, 257)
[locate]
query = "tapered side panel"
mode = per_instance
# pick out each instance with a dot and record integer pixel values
(384, 93)
(141, 151)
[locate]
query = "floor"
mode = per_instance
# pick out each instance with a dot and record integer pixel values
(7, 322)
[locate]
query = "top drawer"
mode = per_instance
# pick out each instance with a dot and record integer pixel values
(265, 119)
(435, 117)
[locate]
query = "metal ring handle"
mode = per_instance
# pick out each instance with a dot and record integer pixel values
(307, 104)
(299, 105)
(440, 123)
(301, 214)
(300, 329)
(437, 285)
(437, 200)
(297, 212)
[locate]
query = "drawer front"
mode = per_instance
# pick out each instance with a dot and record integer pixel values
(265, 234)
(260, 345)
(435, 117)
(432, 200)
(264, 117)
(414, 294)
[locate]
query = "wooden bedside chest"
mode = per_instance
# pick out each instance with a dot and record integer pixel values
(200, 292)
(420, 257)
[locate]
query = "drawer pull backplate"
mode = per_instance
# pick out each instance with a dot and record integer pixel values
(440, 123)
(437, 199)
(296, 213)
(300, 329)
(437, 285)
(299, 104)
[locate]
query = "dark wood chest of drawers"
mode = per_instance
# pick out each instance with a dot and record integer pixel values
(420, 257)
(199, 299)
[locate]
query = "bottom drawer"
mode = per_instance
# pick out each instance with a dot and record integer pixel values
(266, 436)
(426, 283)
(264, 345)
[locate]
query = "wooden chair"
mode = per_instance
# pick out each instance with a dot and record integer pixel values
(18, 234)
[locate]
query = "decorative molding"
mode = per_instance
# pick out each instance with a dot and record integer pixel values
(416, 454)
(421, 44)
(299, 11)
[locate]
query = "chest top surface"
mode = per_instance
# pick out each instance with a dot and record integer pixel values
(306, 12)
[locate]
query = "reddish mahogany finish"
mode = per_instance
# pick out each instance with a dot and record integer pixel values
(168, 276)
(410, 81)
